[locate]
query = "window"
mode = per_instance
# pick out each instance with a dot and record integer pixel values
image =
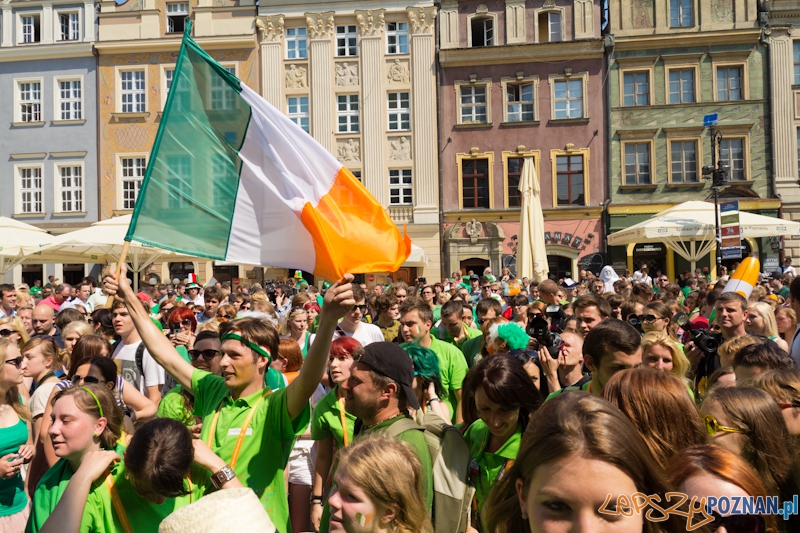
(30, 101)
(519, 103)
(399, 112)
(132, 174)
(637, 164)
(71, 188)
(569, 99)
(473, 104)
(684, 161)
(357, 174)
(514, 173)
(222, 95)
(176, 17)
(729, 84)
(397, 38)
(347, 113)
(400, 189)
(69, 100)
(796, 62)
(550, 27)
(475, 183)
(298, 111)
(220, 172)
(70, 26)
(346, 41)
(132, 91)
(798, 151)
(31, 30)
(30, 190)
(636, 89)
(680, 13)
(482, 31)
(180, 167)
(731, 153)
(681, 86)
(569, 180)
(296, 43)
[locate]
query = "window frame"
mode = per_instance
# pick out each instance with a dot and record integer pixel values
(347, 35)
(630, 67)
(520, 80)
(18, 101)
(57, 99)
(535, 154)
(648, 82)
(169, 14)
(18, 203)
(460, 158)
(398, 112)
(556, 78)
(698, 145)
(542, 10)
(695, 68)
(716, 83)
(487, 17)
(745, 138)
(299, 114)
(487, 84)
(57, 24)
(398, 34)
(349, 113)
(680, 25)
(401, 186)
(225, 93)
(21, 27)
(295, 39)
(796, 61)
(554, 155)
(118, 77)
(120, 178)
(58, 187)
(727, 60)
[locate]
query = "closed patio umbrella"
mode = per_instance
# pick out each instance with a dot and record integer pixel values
(531, 251)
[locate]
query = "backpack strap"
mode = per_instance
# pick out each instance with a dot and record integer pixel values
(401, 426)
(140, 358)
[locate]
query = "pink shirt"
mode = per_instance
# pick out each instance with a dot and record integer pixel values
(51, 302)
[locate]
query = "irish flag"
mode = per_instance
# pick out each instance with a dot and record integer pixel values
(232, 178)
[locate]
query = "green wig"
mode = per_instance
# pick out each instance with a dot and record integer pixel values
(514, 336)
(426, 365)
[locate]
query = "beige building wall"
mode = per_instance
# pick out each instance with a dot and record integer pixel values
(369, 77)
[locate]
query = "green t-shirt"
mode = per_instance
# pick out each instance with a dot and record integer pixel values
(586, 387)
(485, 467)
(12, 491)
(452, 370)
(327, 422)
(172, 406)
(416, 439)
(274, 379)
(266, 446)
(437, 314)
(784, 292)
(444, 335)
(470, 348)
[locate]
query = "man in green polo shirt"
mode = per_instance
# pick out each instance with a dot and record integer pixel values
(379, 392)
(251, 427)
(416, 319)
(486, 309)
(452, 329)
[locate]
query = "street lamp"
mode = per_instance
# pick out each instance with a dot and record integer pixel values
(718, 174)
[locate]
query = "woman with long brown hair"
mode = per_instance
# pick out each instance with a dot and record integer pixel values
(784, 387)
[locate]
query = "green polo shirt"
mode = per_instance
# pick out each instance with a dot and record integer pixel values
(452, 370)
(445, 336)
(585, 387)
(784, 292)
(470, 348)
(416, 439)
(485, 467)
(172, 406)
(327, 422)
(266, 447)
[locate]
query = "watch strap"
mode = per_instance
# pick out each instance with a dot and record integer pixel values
(221, 477)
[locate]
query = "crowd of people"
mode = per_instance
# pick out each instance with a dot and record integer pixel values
(479, 404)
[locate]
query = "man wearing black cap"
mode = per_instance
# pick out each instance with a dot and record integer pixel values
(379, 393)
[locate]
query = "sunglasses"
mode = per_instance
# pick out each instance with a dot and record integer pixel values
(207, 355)
(739, 523)
(15, 362)
(648, 319)
(792, 405)
(6, 332)
(361, 308)
(167, 309)
(713, 427)
(86, 379)
(89, 321)
(185, 323)
(245, 307)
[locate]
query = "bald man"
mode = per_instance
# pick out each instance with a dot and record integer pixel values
(44, 324)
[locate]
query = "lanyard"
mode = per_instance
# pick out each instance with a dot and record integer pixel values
(343, 418)
(242, 432)
(120, 509)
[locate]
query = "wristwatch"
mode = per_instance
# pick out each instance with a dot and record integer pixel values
(224, 475)
(315, 499)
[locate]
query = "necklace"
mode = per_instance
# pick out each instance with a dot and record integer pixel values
(398, 415)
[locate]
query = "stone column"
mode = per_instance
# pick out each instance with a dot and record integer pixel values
(373, 103)
(423, 116)
(271, 30)
(320, 56)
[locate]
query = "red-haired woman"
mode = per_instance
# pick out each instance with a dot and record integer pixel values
(182, 325)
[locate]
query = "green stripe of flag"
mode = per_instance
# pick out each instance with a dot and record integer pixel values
(192, 177)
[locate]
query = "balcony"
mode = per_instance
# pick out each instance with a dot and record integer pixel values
(402, 214)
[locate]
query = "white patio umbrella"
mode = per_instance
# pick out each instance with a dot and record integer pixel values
(689, 229)
(17, 240)
(531, 251)
(417, 258)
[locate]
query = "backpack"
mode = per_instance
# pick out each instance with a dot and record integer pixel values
(450, 458)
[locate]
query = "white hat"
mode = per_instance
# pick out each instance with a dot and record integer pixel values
(224, 511)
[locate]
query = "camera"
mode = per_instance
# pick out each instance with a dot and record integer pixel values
(422, 281)
(706, 341)
(635, 321)
(557, 316)
(543, 333)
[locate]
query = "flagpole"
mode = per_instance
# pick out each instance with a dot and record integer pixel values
(122, 257)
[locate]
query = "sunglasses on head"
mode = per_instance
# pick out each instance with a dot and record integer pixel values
(15, 362)
(713, 427)
(739, 523)
(207, 355)
(6, 332)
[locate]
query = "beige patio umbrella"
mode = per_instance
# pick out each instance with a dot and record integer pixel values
(17, 241)
(531, 251)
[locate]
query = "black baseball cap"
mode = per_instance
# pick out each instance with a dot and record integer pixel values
(390, 360)
(475, 277)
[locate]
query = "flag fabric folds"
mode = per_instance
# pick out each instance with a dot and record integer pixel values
(232, 178)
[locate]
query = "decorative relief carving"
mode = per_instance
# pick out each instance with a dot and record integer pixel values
(398, 72)
(370, 25)
(296, 77)
(722, 10)
(271, 28)
(549, 4)
(346, 74)
(642, 13)
(349, 151)
(320, 26)
(422, 19)
(474, 230)
(399, 149)
(482, 9)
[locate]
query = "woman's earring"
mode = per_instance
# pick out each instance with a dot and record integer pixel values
(95, 434)
(524, 516)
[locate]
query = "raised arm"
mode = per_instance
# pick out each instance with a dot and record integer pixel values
(142, 407)
(338, 301)
(157, 344)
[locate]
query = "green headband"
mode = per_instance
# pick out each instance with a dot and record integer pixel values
(97, 401)
(236, 335)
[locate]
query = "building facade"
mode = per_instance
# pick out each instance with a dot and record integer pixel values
(522, 80)
(360, 78)
(48, 155)
(671, 62)
(137, 48)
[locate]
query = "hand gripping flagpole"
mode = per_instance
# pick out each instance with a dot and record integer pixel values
(123, 256)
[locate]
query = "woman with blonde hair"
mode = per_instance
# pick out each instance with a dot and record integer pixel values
(24, 298)
(12, 328)
(380, 486)
(72, 332)
(786, 320)
(661, 351)
(296, 328)
(761, 319)
(42, 358)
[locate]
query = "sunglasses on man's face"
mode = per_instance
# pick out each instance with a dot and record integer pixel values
(361, 308)
(207, 355)
(15, 362)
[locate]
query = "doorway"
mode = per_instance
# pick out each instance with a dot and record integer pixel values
(559, 266)
(475, 264)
